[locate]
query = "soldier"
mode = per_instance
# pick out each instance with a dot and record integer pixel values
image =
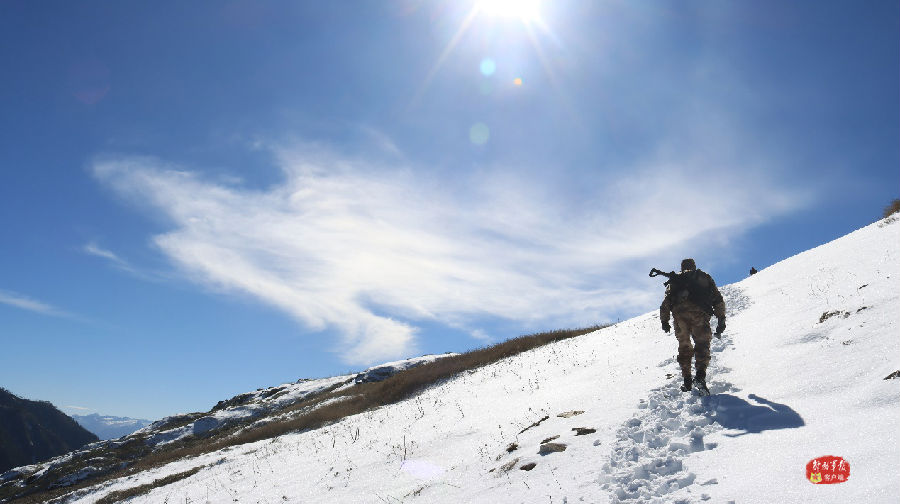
(692, 297)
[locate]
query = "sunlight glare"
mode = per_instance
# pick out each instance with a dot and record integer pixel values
(525, 10)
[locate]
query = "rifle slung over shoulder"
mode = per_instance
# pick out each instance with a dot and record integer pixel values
(655, 272)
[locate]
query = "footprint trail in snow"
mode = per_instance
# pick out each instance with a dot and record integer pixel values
(648, 457)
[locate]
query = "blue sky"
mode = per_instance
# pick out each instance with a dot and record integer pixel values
(203, 198)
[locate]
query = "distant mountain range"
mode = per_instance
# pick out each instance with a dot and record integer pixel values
(110, 427)
(34, 431)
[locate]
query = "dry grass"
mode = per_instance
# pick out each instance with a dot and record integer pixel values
(893, 208)
(120, 495)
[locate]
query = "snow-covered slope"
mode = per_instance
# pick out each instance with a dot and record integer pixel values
(790, 383)
(248, 410)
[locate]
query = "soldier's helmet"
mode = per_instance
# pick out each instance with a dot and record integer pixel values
(688, 265)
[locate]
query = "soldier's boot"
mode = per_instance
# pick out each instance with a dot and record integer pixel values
(700, 382)
(685, 353)
(686, 387)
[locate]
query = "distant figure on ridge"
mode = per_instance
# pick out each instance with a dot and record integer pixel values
(752, 270)
(692, 298)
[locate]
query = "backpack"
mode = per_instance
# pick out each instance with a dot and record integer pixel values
(694, 286)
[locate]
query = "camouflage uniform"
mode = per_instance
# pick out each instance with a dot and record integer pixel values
(690, 319)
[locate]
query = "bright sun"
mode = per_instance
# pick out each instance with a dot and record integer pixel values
(526, 10)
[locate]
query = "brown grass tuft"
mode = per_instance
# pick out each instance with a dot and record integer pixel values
(891, 209)
(120, 495)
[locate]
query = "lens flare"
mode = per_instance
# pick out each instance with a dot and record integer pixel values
(488, 67)
(89, 81)
(479, 134)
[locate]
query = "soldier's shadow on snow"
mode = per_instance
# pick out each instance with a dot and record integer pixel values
(732, 412)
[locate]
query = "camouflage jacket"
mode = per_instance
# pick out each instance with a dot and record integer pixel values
(679, 301)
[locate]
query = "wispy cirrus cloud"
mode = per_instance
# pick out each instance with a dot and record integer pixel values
(78, 408)
(372, 250)
(24, 302)
(95, 250)
(119, 263)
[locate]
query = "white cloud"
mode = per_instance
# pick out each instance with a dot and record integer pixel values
(95, 250)
(370, 250)
(78, 408)
(92, 248)
(481, 335)
(26, 303)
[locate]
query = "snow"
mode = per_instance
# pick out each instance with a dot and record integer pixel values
(257, 408)
(786, 388)
(388, 369)
(266, 401)
(252, 405)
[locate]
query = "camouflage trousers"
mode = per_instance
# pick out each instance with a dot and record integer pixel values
(696, 324)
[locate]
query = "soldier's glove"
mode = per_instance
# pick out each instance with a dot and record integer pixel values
(720, 327)
(665, 326)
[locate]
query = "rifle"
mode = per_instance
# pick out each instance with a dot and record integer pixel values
(655, 272)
